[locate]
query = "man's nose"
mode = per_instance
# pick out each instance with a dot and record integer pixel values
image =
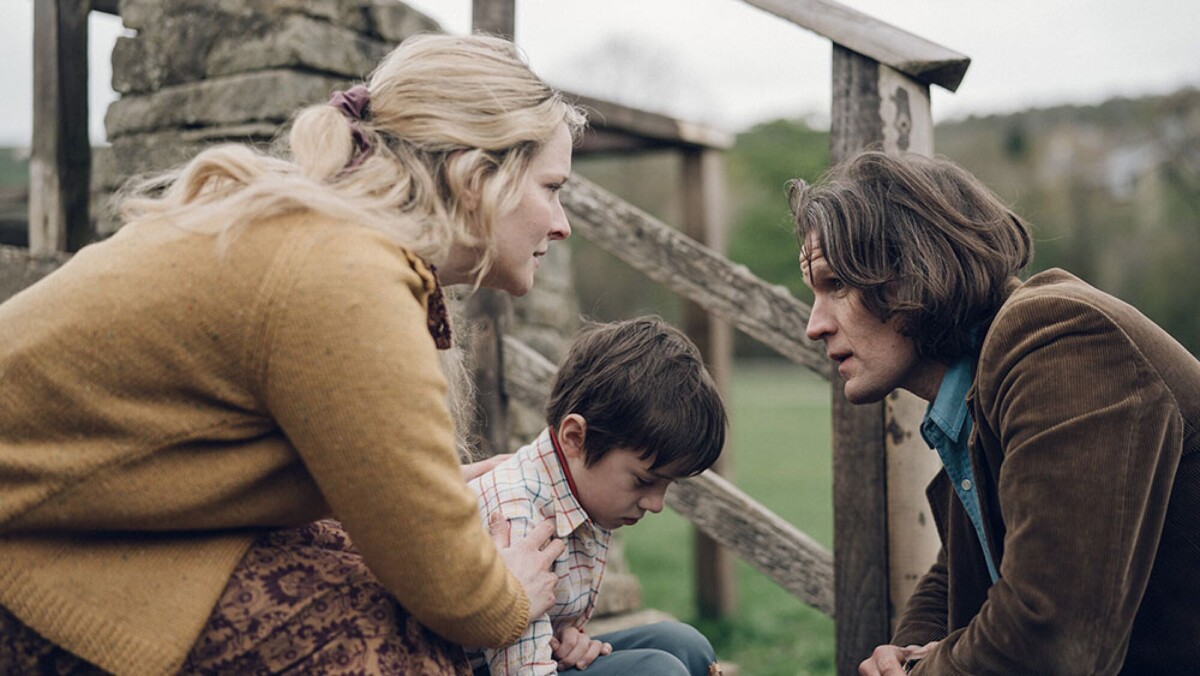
(819, 322)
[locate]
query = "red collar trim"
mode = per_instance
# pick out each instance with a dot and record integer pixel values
(562, 462)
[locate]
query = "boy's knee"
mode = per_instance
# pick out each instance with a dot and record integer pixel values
(686, 643)
(658, 662)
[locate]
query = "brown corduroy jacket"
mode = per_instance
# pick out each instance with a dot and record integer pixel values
(1084, 445)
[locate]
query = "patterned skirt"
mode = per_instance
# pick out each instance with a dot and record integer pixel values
(301, 601)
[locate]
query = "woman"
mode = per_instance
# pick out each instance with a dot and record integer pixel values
(257, 349)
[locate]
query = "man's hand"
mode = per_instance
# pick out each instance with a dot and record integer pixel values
(530, 559)
(889, 660)
(477, 469)
(572, 649)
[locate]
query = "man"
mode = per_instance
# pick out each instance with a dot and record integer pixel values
(1068, 425)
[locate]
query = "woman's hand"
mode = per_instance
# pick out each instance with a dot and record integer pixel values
(572, 649)
(530, 560)
(477, 469)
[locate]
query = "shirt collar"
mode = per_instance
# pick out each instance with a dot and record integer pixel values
(947, 415)
(569, 515)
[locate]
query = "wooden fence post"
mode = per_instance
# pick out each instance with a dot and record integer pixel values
(489, 312)
(884, 539)
(60, 165)
(704, 221)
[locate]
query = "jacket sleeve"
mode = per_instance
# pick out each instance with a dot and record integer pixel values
(351, 375)
(924, 617)
(1091, 437)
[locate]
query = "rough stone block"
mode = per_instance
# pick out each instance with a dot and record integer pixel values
(19, 269)
(173, 51)
(296, 41)
(136, 154)
(266, 96)
(146, 14)
(394, 21)
(619, 593)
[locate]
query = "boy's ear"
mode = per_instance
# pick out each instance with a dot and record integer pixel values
(572, 431)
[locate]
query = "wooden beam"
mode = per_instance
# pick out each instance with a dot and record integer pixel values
(614, 119)
(61, 158)
(778, 549)
(497, 17)
(884, 539)
(106, 6)
(913, 543)
(860, 537)
(488, 312)
(764, 311)
(703, 188)
(925, 61)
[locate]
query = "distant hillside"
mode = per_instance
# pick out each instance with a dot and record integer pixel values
(1113, 193)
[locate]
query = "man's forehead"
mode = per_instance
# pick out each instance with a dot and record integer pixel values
(810, 253)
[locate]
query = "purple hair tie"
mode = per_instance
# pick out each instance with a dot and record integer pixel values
(355, 104)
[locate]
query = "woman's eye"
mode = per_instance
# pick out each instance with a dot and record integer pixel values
(554, 187)
(640, 482)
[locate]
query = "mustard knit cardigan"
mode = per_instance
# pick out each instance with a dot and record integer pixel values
(163, 399)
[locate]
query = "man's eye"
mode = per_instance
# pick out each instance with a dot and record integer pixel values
(640, 482)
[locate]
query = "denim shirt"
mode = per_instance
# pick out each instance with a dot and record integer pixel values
(946, 428)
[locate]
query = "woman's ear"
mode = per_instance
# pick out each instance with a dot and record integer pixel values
(572, 431)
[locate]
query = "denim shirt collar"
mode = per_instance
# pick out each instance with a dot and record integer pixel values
(947, 415)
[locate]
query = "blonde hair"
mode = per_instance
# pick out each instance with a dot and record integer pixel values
(453, 124)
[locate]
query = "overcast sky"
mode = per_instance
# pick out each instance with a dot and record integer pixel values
(727, 64)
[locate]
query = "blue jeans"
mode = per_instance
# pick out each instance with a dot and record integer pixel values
(664, 648)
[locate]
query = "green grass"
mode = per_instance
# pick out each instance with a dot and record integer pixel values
(780, 426)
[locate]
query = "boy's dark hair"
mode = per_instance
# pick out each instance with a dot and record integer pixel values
(641, 385)
(922, 239)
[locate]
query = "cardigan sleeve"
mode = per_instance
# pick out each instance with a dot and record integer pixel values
(1090, 437)
(351, 375)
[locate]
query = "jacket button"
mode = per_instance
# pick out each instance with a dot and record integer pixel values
(966, 484)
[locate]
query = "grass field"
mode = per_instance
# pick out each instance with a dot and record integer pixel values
(780, 428)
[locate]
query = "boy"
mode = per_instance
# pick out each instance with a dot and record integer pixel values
(632, 408)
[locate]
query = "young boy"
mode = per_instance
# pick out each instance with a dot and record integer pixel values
(632, 409)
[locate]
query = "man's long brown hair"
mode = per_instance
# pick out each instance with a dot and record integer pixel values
(921, 239)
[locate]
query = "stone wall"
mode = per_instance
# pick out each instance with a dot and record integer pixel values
(199, 72)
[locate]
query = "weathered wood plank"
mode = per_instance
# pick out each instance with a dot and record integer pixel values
(497, 17)
(488, 311)
(61, 160)
(860, 527)
(910, 54)
(489, 314)
(728, 290)
(912, 537)
(106, 6)
(782, 552)
(641, 129)
(703, 188)
(19, 269)
(778, 549)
